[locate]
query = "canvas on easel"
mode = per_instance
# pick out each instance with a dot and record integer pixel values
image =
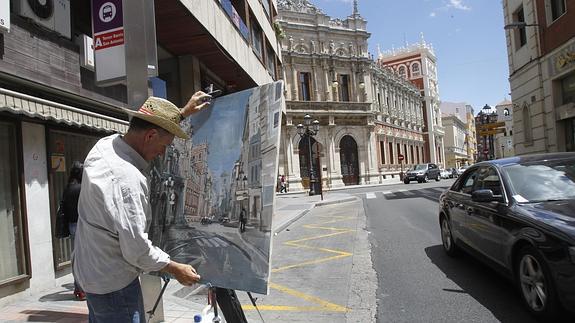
(212, 196)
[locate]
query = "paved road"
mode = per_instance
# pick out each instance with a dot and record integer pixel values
(417, 282)
(321, 270)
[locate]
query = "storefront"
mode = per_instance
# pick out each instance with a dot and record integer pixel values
(39, 141)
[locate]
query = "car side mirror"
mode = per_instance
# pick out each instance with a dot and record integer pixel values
(484, 196)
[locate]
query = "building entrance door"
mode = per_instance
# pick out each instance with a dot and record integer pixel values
(349, 161)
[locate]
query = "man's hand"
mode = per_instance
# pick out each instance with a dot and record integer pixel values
(197, 102)
(185, 274)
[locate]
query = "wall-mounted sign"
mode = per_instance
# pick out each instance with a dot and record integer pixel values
(108, 38)
(4, 15)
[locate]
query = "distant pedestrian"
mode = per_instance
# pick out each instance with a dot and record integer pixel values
(243, 220)
(70, 205)
(283, 188)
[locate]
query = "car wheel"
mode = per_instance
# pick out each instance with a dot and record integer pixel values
(425, 179)
(536, 284)
(405, 181)
(447, 238)
(437, 178)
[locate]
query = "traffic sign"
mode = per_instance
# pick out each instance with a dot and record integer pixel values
(491, 131)
(400, 157)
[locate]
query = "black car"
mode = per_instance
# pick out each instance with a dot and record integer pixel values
(422, 173)
(518, 215)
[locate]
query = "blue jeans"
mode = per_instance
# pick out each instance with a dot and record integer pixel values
(123, 306)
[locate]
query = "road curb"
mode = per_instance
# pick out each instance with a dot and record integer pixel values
(347, 199)
(290, 221)
(304, 212)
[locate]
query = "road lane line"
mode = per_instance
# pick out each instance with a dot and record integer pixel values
(370, 195)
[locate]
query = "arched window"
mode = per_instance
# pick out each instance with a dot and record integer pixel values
(402, 71)
(415, 69)
(527, 131)
(505, 112)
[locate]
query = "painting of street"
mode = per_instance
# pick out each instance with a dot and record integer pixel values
(212, 196)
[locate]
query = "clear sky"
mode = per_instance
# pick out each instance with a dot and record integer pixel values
(467, 36)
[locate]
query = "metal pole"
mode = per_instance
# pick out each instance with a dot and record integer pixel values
(136, 60)
(311, 175)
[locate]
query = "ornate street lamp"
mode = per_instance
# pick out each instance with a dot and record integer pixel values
(309, 130)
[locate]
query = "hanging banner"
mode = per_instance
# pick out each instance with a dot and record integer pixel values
(108, 38)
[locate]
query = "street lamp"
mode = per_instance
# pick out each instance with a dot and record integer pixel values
(304, 130)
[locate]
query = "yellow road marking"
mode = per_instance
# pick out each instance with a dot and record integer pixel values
(324, 306)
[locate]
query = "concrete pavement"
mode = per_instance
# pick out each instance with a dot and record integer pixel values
(180, 303)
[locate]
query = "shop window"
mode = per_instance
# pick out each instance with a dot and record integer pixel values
(64, 148)
(568, 89)
(13, 262)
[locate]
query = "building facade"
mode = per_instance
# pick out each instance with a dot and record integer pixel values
(460, 141)
(471, 135)
(418, 64)
(52, 112)
(367, 115)
(541, 49)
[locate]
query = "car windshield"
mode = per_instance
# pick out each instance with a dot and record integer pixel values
(543, 181)
(420, 167)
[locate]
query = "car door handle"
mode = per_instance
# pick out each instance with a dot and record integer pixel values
(469, 210)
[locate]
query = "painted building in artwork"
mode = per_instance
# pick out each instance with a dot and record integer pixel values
(541, 53)
(418, 64)
(367, 115)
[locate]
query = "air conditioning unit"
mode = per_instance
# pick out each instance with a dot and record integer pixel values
(52, 14)
(86, 52)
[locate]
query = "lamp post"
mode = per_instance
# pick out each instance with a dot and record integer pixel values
(304, 130)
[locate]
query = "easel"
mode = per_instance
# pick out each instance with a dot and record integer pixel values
(225, 298)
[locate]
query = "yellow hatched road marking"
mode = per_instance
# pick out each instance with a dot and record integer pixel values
(324, 305)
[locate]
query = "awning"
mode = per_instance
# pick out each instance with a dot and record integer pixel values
(34, 107)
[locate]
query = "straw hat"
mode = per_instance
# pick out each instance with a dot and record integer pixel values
(162, 113)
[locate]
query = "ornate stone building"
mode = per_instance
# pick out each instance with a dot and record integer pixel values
(418, 64)
(367, 115)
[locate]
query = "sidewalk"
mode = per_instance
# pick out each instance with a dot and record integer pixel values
(180, 303)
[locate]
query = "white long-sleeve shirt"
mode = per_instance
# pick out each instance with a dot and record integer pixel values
(111, 247)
